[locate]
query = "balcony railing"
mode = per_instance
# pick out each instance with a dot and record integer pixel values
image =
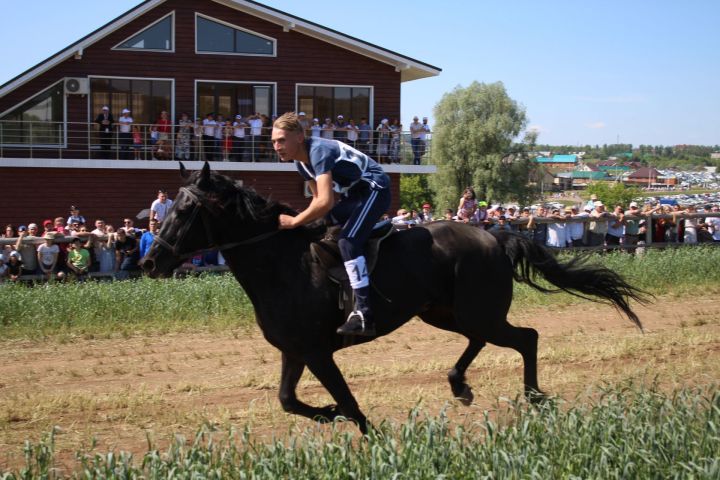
(58, 140)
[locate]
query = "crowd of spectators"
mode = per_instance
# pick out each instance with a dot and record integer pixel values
(69, 247)
(588, 225)
(247, 138)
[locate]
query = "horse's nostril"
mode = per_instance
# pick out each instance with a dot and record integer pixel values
(148, 265)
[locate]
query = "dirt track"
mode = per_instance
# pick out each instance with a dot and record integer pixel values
(123, 389)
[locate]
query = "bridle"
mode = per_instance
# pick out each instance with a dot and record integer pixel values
(204, 211)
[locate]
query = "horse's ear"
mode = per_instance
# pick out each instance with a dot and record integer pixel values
(205, 171)
(183, 171)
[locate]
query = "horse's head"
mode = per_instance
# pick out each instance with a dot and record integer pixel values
(210, 211)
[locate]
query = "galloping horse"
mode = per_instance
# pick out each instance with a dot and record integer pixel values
(436, 272)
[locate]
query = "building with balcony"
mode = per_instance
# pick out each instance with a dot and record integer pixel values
(227, 57)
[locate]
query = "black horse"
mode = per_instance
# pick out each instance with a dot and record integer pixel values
(437, 272)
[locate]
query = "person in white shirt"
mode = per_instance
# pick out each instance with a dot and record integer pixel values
(416, 131)
(315, 129)
(219, 136)
(239, 127)
(352, 133)
(47, 257)
(328, 129)
(125, 134)
(256, 123)
(557, 234)
(208, 136)
(576, 230)
(160, 206)
(713, 224)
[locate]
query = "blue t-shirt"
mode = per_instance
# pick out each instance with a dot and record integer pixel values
(347, 165)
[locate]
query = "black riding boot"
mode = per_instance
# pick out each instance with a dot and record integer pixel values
(360, 322)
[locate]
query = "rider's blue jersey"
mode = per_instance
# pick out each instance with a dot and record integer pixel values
(347, 165)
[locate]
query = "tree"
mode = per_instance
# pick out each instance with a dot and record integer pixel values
(414, 191)
(473, 145)
(615, 194)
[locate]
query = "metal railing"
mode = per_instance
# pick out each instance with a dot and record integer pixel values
(189, 141)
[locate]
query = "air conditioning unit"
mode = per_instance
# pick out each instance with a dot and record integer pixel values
(77, 86)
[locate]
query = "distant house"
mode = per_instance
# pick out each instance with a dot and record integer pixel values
(650, 177)
(578, 179)
(558, 161)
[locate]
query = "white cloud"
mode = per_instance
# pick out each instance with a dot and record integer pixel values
(537, 128)
(595, 125)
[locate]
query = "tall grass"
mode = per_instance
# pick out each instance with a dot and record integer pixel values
(626, 433)
(218, 302)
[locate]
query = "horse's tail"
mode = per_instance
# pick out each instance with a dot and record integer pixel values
(591, 282)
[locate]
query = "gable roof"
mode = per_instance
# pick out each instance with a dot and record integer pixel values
(409, 68)
(645, 172)
(557, 159)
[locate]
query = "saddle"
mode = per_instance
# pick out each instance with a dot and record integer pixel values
(327, 253)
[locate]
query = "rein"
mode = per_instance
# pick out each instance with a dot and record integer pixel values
(198, 209)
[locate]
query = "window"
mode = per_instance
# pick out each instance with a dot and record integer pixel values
(145, 98)
(329, 102)
(213, 36)
(38, 121)
(158, 36)
(230, 99)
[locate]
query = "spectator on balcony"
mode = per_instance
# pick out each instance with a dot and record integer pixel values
(208, 137)
(227, 141)
(162, 150)
(467, 206)
(328, 129)
(598, 227)
(105, 123)
(184, 137)
(423, 136)
(47, 256)
(164, 126)
(576, 230)
(27, 248)
(616, 226)
(137, 141)
(126, 254)
(239, 127)
(78, 259)
(416, 132)
(383, 140)
(305, 123)
(340, 132)
(395, 137)
(196, 152)
(352, 133)
(219, 136)
(364, 136)
(315, 128)
(256, 133)
(75, 216)
(125, 134)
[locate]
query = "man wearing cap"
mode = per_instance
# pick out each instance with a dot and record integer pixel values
(341, 129)
(327, 166)
(426, 215)
(105, 123)
(239, 127)
(598, 227)
(327, 129)
(305, 122)
(315, 128)
(632, 225)
(416, 131)
(25, 245)
(125, 134)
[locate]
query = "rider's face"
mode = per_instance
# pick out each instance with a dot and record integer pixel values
(287, 144)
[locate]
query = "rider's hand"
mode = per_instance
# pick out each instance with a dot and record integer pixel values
(286, 222)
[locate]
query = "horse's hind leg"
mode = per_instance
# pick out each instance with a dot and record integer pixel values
(290, 375)
(323, 366)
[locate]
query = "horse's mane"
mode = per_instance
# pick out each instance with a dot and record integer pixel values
(226, 192)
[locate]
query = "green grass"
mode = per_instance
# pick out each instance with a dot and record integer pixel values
(627, 432)
(217, 302)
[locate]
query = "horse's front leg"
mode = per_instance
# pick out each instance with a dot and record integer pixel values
(323, 366)
(292, 370)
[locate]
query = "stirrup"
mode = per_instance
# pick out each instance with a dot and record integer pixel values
(357, 324)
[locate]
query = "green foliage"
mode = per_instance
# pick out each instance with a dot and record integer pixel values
(414, 191)
(472, 137)
(614, 194)
(629, 432)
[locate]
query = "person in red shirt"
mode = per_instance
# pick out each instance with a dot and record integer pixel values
(164, 126)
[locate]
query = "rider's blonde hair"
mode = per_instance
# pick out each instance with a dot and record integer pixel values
(289, 122)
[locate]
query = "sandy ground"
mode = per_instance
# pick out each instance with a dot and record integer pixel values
(121, 392)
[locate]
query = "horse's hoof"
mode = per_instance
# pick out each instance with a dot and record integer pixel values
(466, 396)
(536, 397)
(327, 414)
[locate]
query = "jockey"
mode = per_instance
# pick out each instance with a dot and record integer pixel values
(364, 187)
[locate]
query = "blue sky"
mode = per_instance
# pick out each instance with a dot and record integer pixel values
(643, 72)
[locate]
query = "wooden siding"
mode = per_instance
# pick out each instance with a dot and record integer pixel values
(34, 194)
(300, 59)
